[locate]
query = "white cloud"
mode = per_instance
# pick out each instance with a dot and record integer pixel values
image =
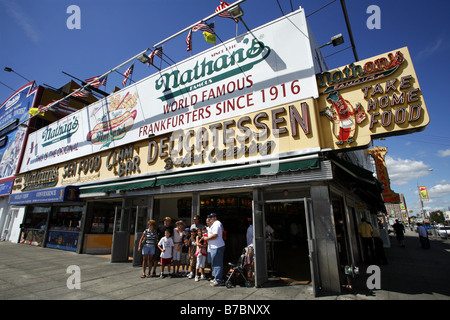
(444, 153)
(21, 19)
(430, 49)
(402, 171)
(439, 191)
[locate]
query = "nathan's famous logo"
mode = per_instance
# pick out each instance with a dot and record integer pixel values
(353, 75)
(189, 78)
(64, 129)
(115, 122)
(395, 93)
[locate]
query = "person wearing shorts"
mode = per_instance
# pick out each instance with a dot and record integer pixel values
(166, 246)
(148, 245)
(200, 255)
(192, 250)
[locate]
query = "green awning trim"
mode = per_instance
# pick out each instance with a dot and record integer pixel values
(119, 186)
(360, 172)
(204, 176)
(262, 170)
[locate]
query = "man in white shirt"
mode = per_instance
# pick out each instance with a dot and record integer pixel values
(216, 246)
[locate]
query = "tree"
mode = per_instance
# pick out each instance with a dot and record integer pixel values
(437, 217)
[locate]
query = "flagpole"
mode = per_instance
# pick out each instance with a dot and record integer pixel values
(203, 20)
(88, 84)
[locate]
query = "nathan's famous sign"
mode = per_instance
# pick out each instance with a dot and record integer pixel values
(270, 66)
(376, 97)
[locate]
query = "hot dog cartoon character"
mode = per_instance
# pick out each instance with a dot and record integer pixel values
(344, 117)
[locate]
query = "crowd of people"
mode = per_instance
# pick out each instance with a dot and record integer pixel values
(185, 251)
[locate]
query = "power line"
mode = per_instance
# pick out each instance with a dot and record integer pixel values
(321, 8)
(279, 6)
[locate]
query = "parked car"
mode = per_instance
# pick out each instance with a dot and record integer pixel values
(443, 231)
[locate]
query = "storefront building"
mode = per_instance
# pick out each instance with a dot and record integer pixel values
(268, 142)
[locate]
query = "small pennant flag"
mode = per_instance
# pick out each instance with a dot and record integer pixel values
(33, 111)
(209, 28)
(209, 37)
(97, 83)
(225, 14)
(127, 74)
(157, 52)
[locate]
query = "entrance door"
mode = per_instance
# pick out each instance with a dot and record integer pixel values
(289, 252)
(140, 224)
(129, 224)
(121, 235)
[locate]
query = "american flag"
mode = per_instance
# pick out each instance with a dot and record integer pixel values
(97, 83)
(82, 93)
(63, 107)
(157, 52)
(201, 26)
(204, 27)
(126, 74)
(189, 41)
(224, 14)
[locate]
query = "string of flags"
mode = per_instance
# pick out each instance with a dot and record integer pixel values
(209, 35)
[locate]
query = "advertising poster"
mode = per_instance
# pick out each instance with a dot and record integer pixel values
(13, 111)
(270, 66)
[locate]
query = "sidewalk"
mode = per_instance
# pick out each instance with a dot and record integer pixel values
(31, 273)
(412, 273)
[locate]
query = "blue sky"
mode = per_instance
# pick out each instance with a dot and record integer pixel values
(36, 42)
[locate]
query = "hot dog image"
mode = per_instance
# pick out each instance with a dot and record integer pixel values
(112, 129)
(120, 109)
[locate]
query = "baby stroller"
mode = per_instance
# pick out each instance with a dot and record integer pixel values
(238, 272)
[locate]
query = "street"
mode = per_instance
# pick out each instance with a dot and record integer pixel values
(32, 273)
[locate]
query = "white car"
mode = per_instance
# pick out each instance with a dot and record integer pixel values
(443, 231)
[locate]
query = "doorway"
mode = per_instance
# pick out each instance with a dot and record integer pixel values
(287, 245)
(129, 223)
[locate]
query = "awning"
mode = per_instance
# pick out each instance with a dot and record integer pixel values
(236, 173)
(61, 194)
(117, 186)
(366, 185)
(224, 173)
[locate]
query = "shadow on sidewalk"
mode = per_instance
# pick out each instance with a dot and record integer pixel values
(411, 270)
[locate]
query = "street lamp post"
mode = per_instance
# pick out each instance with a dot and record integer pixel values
(421, 200)
(7, 69)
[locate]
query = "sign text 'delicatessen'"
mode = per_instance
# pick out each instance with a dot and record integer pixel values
(270, 66)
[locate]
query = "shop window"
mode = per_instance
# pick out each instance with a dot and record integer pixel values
(64, 228)
(100, 218)
(34, 226)
(175, 208)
